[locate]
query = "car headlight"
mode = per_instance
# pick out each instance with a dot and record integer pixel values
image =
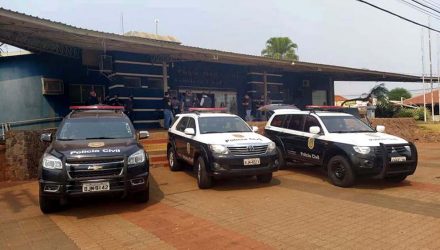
(408, 148)
(137, 158)
(362, 150)
(219, 149)
(51, 162)
(271, 147)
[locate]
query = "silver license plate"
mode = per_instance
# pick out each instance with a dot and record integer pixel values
(398, 159)
(251, 161)
(95, 187)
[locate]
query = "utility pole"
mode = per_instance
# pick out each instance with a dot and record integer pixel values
(156, 21)
(423, 76)
(430, 71)
(122, 23)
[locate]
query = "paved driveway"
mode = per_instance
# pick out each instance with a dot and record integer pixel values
(298, 209)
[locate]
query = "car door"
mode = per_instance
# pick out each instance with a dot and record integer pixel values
(179, 139)
(189, 142)
(313, 146)
(293, 136)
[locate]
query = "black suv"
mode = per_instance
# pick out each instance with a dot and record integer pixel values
(95, 151)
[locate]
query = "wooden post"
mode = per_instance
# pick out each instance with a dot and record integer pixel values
(265, 87)
(165, 77)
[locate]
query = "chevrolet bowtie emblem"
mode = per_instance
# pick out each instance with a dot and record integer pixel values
(94, 168)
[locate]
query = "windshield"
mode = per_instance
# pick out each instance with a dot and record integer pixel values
(224, 124)
(95, 129)
(345, 124)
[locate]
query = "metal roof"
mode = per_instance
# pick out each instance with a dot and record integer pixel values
(42, 35)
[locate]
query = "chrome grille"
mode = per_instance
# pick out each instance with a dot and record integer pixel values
(101, 167)
(248, 150)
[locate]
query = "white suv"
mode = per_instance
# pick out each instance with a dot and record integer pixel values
(343, 144)
(218, 144)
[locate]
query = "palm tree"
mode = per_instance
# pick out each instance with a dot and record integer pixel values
(280, 48)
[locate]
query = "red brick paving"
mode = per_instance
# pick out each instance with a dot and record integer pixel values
(186, 231)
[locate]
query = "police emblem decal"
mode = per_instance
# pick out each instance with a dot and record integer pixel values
(96, 144)
(311, 143)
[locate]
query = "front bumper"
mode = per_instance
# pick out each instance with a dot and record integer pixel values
(379, 163)
(59, 184)
(230, 165)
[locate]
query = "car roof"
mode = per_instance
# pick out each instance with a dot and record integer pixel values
(95, 114)
(207, 115)
(302, 112)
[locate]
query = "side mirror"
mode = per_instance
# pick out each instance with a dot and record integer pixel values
(143, 134)
(254, 129)
(189, 131)
(314, 130)
(380, 128)
(46, 137)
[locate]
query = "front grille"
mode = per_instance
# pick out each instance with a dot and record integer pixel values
(100, 167)
(248, 150)
(399, 149)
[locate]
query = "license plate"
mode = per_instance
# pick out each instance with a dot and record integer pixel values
(252, 161)
(398, 159)
(96, 187)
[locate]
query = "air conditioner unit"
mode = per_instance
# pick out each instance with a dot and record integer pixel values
(105, 64)
(52, 86)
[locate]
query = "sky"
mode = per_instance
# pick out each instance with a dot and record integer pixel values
(339, 32)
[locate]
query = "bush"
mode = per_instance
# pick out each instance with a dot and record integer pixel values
(385, 110)
(414, 113)
(405, 112)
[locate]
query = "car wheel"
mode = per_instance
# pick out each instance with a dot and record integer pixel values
(49, 205)
(143, 196)
(396, 178)
(340, 172)
(281, 160)
(203, 179)
(264, 178)
(173, 162)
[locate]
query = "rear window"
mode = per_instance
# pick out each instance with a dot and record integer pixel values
(277, 121)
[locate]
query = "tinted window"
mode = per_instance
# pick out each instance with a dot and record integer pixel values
(295, 122)
(310, 122)
(182, 124)
(191, 124)
(345, 124)
(277, 121)
(83, 129)
(226, 124)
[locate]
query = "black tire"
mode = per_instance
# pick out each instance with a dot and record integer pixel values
(340, 172)
(281, 159)
(264, 178)
(143, 196)
(396, 178)
(203, 179)
(173, 162)
(49, 205)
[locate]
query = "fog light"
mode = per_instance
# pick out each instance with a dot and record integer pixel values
(216, 166)
(137, 181)
(51, 188)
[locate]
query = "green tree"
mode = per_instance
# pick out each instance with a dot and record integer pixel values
(396, 93)
(280, 48)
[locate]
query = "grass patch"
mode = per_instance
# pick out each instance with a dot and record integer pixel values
(434, 127)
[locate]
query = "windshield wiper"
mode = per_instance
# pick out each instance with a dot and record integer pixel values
(65, 139)
(232, 131)
(211, 132)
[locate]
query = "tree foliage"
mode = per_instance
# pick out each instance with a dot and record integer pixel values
(280, 48)
(396, 93)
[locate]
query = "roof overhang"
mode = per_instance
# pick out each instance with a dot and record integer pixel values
(41, 35)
